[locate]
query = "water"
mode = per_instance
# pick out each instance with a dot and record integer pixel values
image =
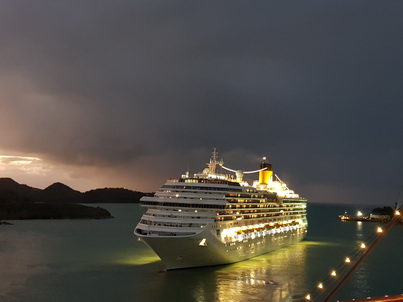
(101, 260)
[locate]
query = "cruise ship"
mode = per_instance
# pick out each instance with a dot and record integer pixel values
(214, 218)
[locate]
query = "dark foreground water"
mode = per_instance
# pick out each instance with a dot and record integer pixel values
(101, 260)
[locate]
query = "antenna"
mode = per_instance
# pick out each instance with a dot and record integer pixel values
(214, 155)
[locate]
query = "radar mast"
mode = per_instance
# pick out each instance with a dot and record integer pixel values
(212, 165)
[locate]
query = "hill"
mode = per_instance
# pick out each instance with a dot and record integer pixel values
(58, 201)
(60, 193)
(29, 210)
(10, 190)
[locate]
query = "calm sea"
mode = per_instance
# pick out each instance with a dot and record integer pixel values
(101, 260)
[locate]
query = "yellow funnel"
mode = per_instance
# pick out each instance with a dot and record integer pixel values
(264, 176)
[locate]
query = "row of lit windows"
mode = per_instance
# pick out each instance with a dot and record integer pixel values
(232, 217)
(158, 216)
(262, 205)
(201, 188)
(262, 211)
(257, 210)
(270, 196)
(185, 205)
(262, 220)
(250, 209)
(244, 206)
(184, 197)
(209, 181)
(185, 192)
(162, 233)
(299, 200)
(266, 227)
(173, 225)
(257, 215)
(237, 200)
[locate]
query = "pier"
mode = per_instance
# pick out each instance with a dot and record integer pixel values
(326, 289)
(378, 215)
(380, 299)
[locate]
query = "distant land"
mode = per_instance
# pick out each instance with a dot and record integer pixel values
(58, 201)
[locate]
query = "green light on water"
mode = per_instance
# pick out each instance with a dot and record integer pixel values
(139, 260)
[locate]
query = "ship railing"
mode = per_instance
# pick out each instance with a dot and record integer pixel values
(141, 232)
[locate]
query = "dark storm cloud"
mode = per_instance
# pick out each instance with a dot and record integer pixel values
(313, 85)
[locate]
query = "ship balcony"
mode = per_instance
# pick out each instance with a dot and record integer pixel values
(188, 194)
(185, 220)
(174, 224)
(241, 234)
(185, 214)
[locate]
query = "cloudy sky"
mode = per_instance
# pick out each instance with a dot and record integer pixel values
(129, 93)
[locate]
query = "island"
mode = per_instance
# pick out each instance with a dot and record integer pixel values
(34, 210)
(58, 201)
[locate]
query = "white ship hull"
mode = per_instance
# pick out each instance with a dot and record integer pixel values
(186, 252)
(212, 218)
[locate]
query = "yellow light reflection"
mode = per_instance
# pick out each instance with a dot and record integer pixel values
(139, 260)
(267, 277)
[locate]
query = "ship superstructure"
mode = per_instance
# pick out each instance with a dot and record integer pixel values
(214, 218)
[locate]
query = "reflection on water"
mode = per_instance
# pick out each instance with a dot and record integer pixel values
(20, 258)
(101, 260)
(359, 229)
(360, 281)
(277, 276)
(140, 258)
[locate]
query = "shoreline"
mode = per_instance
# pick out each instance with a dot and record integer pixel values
(33, 211)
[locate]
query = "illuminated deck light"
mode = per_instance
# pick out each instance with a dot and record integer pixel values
(363, 246)
(379, 230)
(203, 242)
(308, 297)
(333, 273)
(320, 285)
(397, 213)
(348, 260)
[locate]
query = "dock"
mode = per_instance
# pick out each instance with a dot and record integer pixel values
(364, 218)
(378, 215)
(326, 289)
(379, 299)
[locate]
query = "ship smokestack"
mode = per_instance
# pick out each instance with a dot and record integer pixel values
(265, 176)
